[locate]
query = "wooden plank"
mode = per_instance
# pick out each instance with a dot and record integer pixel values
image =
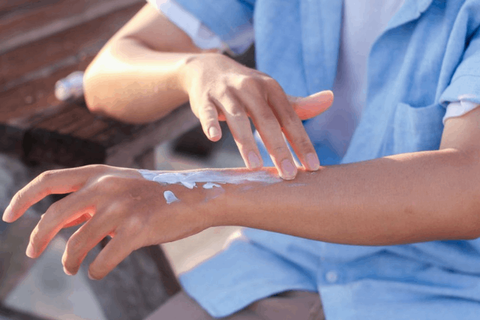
(117, 132)
(11, 140)
(173, 125)
(33, 98)
(19, 29)
(98, 126)
(61, 119)
(40, 58)
(44, 146)
(8, 6)
(23, 106)
(84, 120)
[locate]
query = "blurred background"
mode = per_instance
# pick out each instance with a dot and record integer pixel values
(41, 42)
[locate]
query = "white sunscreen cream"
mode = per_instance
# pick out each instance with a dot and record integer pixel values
(210, 178)
(170, 197)
(210, 185)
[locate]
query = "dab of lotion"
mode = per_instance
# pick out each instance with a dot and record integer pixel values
(211, 179)
(189, 179)
(170, 197)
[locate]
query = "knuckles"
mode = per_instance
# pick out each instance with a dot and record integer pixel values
(134, 225)
(249, 84)
(304, 145)
(106, 184)
(46, 176)
(74, 246)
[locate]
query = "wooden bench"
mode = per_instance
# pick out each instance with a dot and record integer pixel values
(40, 43)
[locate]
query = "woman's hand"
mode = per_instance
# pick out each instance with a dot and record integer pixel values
(222, 89)
(111, 201)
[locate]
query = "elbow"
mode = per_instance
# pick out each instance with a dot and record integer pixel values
(93, 97)
(100, 93)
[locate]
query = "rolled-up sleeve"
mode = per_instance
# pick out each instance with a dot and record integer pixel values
(236, 42)
(226, 18)
(465, 83)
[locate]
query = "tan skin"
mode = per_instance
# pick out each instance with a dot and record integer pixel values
(151, 66)
(405, 198)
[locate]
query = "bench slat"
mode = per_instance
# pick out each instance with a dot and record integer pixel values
(96, 127)
(65, 48)
(61, 119)
(34, 22)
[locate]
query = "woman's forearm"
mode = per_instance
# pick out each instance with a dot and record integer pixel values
(400, 199)
(133, 83)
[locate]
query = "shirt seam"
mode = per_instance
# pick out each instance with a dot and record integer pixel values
(464, 75)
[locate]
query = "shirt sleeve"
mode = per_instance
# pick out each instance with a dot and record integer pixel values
(465, 84)
(237, 41)
(459, 108)
(462, 95)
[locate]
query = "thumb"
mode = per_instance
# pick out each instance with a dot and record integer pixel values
(312, 105)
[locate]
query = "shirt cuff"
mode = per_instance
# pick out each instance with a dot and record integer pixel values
(459, 108)
(200, 34)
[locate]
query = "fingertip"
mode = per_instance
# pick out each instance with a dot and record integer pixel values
(330, 95)
(30, 251)
(313, 164)
(254, 161)
(7, 214)
(93, 276)
(288, 170)
(325, 96)
(214, 133)
(68, 273)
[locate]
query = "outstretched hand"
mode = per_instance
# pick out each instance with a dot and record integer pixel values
(220, 89)
(110, 201)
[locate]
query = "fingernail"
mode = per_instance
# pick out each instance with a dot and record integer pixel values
(90, 276)
(253, 160)
(30, 251)
(289, 169)
(213, 132)
(312, 162)
(6, 214)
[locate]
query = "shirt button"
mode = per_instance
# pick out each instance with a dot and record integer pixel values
(331, 276)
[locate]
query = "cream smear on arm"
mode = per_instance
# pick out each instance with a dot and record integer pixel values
(210, 178)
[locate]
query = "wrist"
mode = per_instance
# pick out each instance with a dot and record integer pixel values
(194, 65)
(214, 209)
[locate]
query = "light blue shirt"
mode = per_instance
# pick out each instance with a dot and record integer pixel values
(428, 56)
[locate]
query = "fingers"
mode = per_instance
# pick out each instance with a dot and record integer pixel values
(115, 252)
(49, 182)
(77, 221)
(269, 128)
(313, 105)
(84, 240)
(241, 130)
(208, 117)
(72, 207)
(293, 128)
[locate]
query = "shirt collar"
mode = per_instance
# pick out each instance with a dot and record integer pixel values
(410, 11)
